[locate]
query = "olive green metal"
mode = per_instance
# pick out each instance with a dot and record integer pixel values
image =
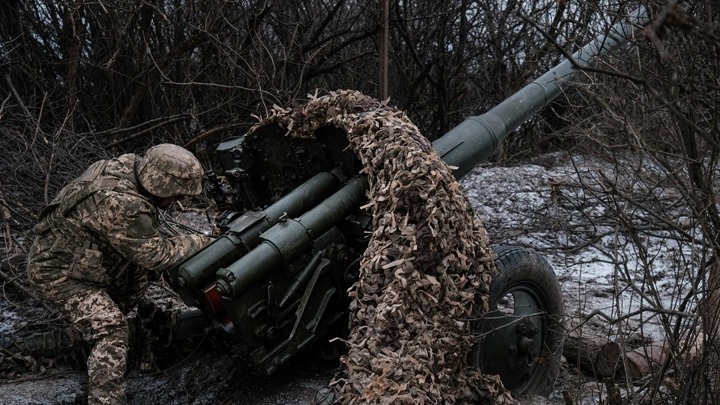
(254, 265)
(267, 256)
(221, 252)
(301, 278)
(476, 138)
(464, 147)
(288, 239)
(245, 231)
(513, 341)
(304, 197)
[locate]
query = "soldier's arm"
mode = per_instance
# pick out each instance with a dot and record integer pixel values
(128, 226)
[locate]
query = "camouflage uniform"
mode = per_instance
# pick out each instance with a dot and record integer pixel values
(96, 242)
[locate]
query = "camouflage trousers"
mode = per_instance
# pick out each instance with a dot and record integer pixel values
(105, 327)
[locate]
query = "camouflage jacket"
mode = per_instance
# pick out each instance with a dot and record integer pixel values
(96, 229)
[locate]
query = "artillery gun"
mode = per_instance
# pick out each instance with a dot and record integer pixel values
(277, 277)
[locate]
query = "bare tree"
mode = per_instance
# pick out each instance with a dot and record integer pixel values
(654, 112)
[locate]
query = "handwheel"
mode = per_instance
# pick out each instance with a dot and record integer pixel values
(520, 338)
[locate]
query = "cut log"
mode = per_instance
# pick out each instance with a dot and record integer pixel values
(645, 360)
(594, 355)
(608, 359)
(603, 358)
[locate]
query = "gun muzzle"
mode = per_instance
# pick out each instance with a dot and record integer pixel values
(288, 239)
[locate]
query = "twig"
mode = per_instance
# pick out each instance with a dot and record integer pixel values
(574, 62)
(22, 289)
(12, 210)
(5, 215)
(135, 135)
(611, 320)
(18, 244)
(14, 92)
(2, 106)
(154, 122)
(214, 131)
(46, 186)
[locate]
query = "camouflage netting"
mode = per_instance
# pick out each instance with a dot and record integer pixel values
(427, 269)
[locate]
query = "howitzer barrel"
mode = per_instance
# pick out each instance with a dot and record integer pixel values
(244, 232)
(288, 239)
(468, 144)
(476, 138)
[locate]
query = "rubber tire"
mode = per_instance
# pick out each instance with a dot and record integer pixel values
(524, 270)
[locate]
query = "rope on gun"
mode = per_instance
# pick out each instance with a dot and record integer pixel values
(426, 272)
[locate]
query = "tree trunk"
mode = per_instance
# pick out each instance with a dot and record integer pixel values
(73, 31)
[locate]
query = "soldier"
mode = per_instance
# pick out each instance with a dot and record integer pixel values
(95, 244)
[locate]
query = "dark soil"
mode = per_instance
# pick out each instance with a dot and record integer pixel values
(214, 370)
(208, 370)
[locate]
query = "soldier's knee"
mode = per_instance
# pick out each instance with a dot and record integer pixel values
(110, 351)
(121, 333)
(117, 332)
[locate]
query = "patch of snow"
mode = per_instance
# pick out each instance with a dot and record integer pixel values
(10, 322)
(558, 207)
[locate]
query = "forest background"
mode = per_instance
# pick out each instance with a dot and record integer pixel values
(83, 80)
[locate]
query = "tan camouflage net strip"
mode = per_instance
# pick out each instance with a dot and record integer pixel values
(426, 269)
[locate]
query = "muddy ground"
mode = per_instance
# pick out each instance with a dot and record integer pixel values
(518, 205)
(208, 373)
(210, 370)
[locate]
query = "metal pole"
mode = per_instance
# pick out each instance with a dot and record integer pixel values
(383, 43)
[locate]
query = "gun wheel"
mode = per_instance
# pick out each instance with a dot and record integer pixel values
(520, 338)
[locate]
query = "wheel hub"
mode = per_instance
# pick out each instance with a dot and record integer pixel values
(512, 340)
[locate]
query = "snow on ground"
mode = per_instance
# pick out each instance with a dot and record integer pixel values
(616, 283)
(8, 321)
(546, 206)
(558, 206)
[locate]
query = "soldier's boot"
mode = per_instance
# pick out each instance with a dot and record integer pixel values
(49, 343)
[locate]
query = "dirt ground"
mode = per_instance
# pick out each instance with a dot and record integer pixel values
(513, 201)
(214, 373)
(209, 370)
(200, 372)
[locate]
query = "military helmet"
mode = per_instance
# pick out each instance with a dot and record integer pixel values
(168, 170)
